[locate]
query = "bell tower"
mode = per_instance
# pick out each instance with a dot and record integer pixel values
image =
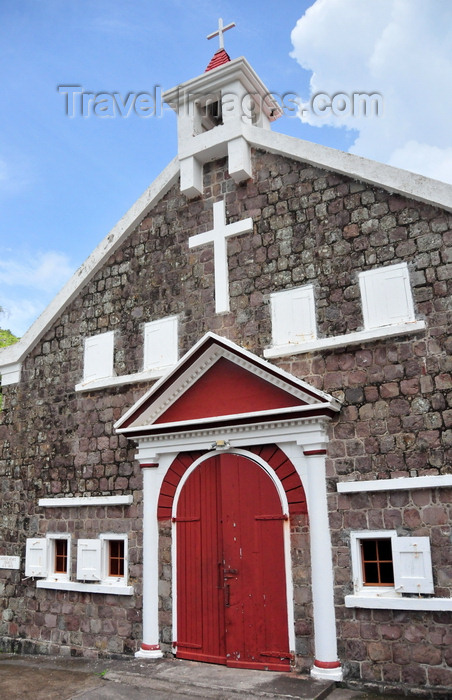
(214, 114)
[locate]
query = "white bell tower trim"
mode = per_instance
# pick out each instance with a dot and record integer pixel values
(218, 236)
(214, 112)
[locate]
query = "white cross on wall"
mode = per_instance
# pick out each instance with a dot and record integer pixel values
(220, 31)
(218, 235)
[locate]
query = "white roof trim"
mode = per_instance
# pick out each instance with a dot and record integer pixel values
(418, 187)
(155, 191)
(214, 80)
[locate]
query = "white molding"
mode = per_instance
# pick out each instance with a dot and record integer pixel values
(112, 589)
(77, 501)
(399, 484)
(108, 382)
(327, 674)
(304, 430)
(412, 185)
(273, 415)
(179, 97)
(149, 654)
(10, 374)
(340, 341)
(397, 603)
(357, 566)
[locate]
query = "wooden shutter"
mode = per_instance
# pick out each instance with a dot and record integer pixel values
(98, 358)
(160, 343)
(36, 557)
(412, 564)
(293, 316)
(89, 563)
(386, 296)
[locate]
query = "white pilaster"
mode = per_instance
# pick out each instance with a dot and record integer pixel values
(239, 159)
(191, 183)
(150, 647)
(326, 664)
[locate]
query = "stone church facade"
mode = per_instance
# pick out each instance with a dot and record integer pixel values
(307, 370)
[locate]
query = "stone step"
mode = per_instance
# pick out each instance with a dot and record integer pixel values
(211, 681)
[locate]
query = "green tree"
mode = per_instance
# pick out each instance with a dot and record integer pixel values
(6, 338)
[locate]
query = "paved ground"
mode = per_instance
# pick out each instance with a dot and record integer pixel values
(60, 678)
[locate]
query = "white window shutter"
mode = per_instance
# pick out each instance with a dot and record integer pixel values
(386, 296)
(36, 557)
(293, 316)
(160, 343)
(98, 357)
(412, 565)
(89, 564)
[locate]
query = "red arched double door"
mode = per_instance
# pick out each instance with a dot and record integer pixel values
(231, 582)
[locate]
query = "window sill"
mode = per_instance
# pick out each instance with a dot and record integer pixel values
(344, 340)
(110, 588)
(395, 602)
(108, 382)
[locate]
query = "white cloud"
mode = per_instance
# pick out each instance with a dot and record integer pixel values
(27, 285)
(19, 314)
(401, 49)
(45, 271)
(420, 157)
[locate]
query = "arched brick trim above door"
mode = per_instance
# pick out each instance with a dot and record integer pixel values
(271, 454)
(287, 474)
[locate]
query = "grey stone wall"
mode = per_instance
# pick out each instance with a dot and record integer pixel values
(310, 227)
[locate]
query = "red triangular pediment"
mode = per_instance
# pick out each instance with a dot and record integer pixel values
(217, 382)
(227, 389)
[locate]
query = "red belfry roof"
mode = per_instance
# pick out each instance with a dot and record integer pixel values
(218, 59)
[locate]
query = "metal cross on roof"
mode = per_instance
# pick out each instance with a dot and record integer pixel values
(220, 31)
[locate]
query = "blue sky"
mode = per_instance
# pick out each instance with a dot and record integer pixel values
(65, 182)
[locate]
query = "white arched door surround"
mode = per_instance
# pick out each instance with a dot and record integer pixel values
(222, 397)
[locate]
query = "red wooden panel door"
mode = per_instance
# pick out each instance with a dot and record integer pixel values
(200, 600)
(232, 605)
(253, 546)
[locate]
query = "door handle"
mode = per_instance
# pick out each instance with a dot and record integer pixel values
(230, 573)
(227, 595)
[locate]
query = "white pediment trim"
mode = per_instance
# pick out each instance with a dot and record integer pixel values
(204, 354)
